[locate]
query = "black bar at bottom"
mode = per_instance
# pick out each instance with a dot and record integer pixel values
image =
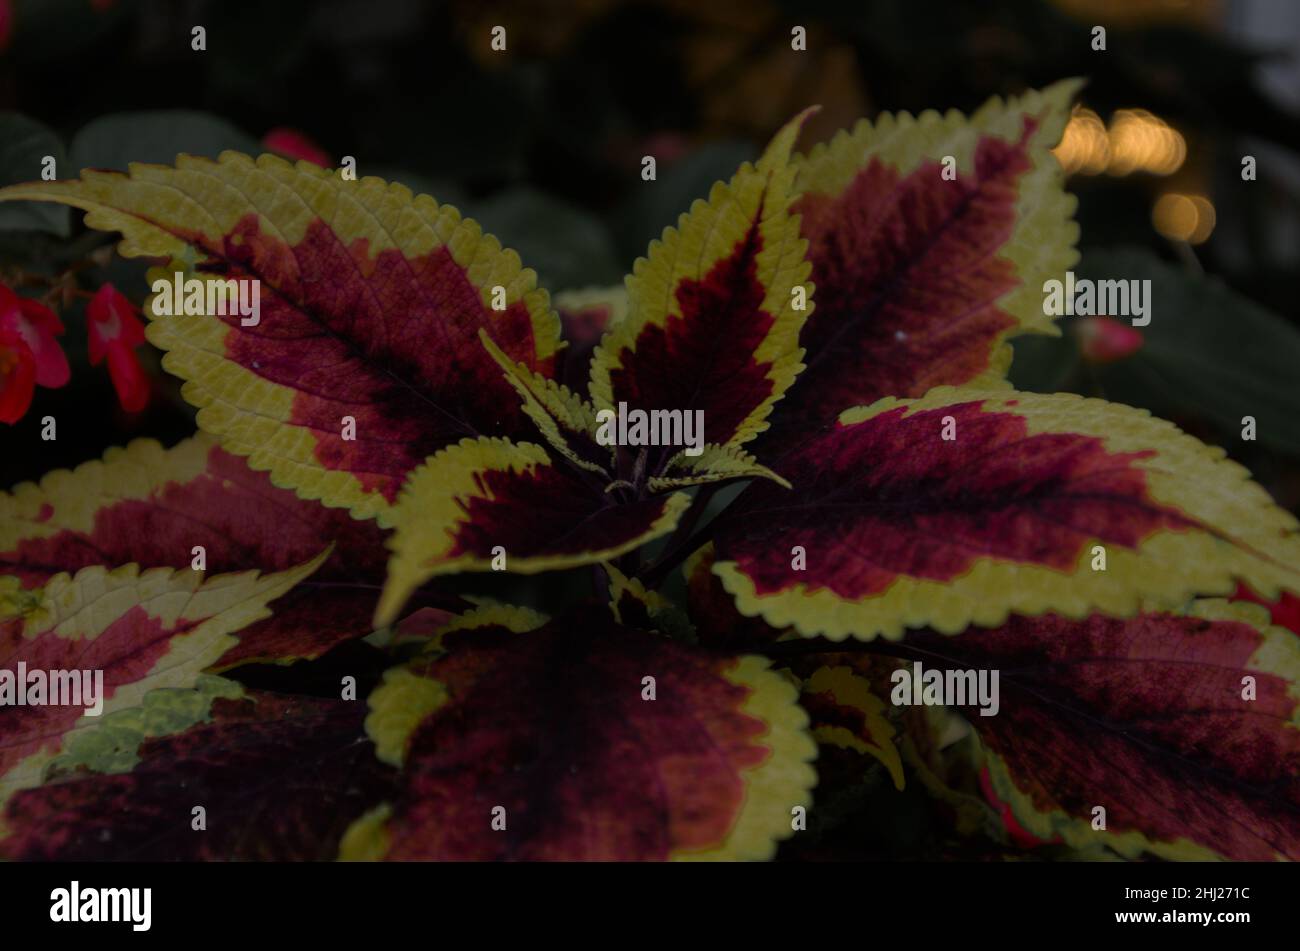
(381, 902)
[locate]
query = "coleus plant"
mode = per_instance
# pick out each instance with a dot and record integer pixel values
(406, 413)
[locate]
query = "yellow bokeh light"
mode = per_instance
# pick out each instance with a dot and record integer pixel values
(1187, 218)
(1136, 141)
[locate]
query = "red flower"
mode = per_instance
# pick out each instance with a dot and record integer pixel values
(293, 144)
(115, 332)
(29, 354)
(1104, 340)
(17, 376)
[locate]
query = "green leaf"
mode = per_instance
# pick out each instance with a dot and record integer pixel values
(1209, 351)
(24, 143)
(1044, 364)
(567, 246)
(114, 141)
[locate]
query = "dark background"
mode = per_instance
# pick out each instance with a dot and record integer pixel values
(543, 144)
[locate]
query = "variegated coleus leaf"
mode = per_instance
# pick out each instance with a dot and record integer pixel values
(713, 609)
(572, 429)
(715, 308)
(115, 634)
(923, 276)
(489, 618)
(714, 464)
(585, 316)
(633, 605)
(371, 301)
(563, 417)
(844, 706)
(1285, 611)
(961, 508)
(557, 744)
(846, 713)
(492, 501)
(1183, 727)
(160, 507)
(278, 778)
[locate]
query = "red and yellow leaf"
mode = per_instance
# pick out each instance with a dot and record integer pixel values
(565, 419)
(846, 713)
(279, 778)
(585, 315)
(551, 727)
(491, 500)
(922, 279)
(901, 527)
(1285, 611)
(713, 464)
(486, 617)
(154, 507)
(1149, 718)
(713, 610)
(141, 629)
(712, 323)
(633, 605)
(371, 304)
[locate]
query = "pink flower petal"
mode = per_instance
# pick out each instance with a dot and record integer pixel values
(39, 326)
(111, 318)
(1104, 340)
(17, 376)
(36, 325)
(293, 144)
(128, 377)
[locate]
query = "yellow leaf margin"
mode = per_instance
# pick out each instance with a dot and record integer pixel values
(772, 790)
(706, 234)
(1278, 654)
(850, 690)
(1254, 540)
(432, 507)
(80, 607)
(156, 206)
(130, 473)
(1042, 245)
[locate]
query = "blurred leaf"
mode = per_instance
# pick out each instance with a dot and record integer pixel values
(656, 205)
(24, 143)
(116, 140)
(1209, 352)
(1044, 364)
(565, 245)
